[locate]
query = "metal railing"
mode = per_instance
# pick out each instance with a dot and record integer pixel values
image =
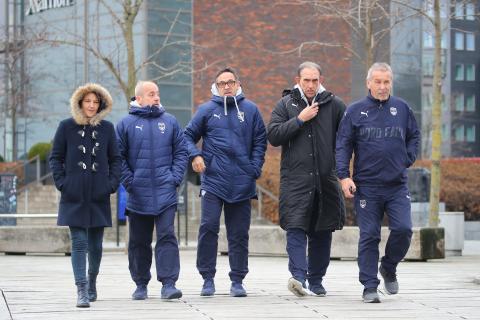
(260, 192)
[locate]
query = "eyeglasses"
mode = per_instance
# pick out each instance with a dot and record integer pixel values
(222, 84)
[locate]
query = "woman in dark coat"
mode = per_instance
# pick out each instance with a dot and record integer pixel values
(85, 162)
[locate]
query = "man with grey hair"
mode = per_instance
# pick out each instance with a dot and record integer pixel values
(304, 122)
(154, 154)
(382, 133)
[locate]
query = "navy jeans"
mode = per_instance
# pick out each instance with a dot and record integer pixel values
(370, 205)
(237, 223)
(86, 240)
(315, 266)
(167, 259)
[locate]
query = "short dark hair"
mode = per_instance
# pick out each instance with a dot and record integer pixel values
(227, 69)
(309, 65)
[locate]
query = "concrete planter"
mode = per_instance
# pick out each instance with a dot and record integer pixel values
(454, 225)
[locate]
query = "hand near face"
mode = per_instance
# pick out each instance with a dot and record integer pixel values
(309, 112)
(198, 165)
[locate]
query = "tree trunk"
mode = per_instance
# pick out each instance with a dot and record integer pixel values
(369, 41)
(436, 120)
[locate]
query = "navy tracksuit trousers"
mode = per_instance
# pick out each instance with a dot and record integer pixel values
(237, 223)
(370, 205)
(167, 258)
(314, 267)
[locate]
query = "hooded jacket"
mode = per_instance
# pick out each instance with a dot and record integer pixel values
(86, 163)
(233, 147)
(308, 161)
(384, 137)
(154, 156)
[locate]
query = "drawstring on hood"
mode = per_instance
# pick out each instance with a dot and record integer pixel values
(320, 90)
(215, 92)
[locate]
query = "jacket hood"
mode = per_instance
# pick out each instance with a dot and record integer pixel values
(106, 104)
(228, 100)
(146, 111)
(302, 94)
(322, 96)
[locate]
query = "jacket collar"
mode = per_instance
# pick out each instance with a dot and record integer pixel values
(146, 111)
(375, 100)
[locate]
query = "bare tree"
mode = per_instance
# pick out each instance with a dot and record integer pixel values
(432, 11)
(370, 22)
(122, 56)
(13, 46)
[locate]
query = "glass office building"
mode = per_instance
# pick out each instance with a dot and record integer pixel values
(57, 61)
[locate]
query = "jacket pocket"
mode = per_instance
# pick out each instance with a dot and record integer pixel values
(101, 187)
(72, 189)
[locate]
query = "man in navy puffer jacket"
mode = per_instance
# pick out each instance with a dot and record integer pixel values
(231, 159)
(382, 132)
(154, 154)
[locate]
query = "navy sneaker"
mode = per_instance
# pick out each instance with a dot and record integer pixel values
(390, 282)
(317, 289)
(169, 292)
(370, 295)
(208, 288)
(297, 287)
(237, 290)
(140, 293)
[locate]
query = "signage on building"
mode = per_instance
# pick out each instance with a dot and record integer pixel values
(36, 6)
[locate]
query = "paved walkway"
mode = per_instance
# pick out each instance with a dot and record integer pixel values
(41, 287)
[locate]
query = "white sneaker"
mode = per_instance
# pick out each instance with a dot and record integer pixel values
(297, 288)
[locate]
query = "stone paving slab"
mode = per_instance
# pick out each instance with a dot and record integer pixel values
(41, 287)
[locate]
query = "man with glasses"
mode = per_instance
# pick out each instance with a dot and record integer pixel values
(304, 122)
(229, 161)
(154, 154)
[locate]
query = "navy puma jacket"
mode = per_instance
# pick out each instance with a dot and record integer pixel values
(384, 138)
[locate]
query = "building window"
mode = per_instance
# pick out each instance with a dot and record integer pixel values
(470, 133)
(459, 10)
(459, 45)
(459, 99)
(464, 10)
(426, 100)
(445, 132)
(427, 40)
(469, 41)
(459, 72)
(427, 65)
(470, 72)
(470, 11)
(459, 133)
(470, 103)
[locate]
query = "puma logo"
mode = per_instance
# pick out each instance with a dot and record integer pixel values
(216, 116)
(364, 113)
(139, 127)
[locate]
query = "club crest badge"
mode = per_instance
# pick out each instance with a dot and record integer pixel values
(363, 203)
(162, 127)
(393, 111)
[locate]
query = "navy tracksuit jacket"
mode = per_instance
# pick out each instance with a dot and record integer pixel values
(384, 137)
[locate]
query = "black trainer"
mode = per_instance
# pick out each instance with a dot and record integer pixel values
(370, 295)
(390, 282)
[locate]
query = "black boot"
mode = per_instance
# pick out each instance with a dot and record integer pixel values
(92, 287)
(82, 296)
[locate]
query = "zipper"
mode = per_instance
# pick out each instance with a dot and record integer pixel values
(152, 165)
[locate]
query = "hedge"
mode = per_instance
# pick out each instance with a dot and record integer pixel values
(460, 181)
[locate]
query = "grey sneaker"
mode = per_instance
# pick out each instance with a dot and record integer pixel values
(370, 295)
(297, 287)
(390, 282)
